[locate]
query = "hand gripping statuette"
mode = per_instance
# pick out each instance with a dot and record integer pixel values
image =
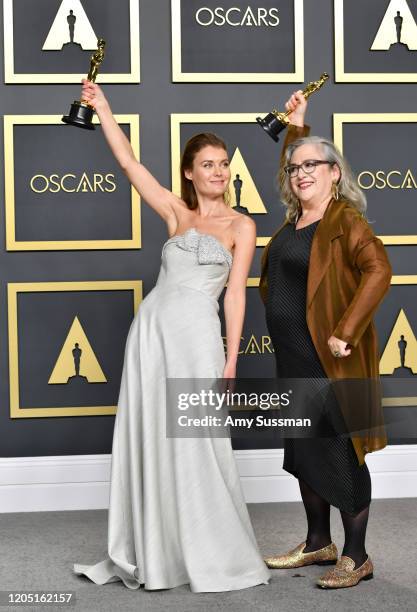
(274, 122)
(81, 112)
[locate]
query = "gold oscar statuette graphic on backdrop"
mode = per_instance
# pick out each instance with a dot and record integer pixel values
(400, 353)
(245, 196)
(398, 28)
(81, 112)
(274, 122)
(77, 361)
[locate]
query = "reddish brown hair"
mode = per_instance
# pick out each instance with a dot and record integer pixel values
(193, 146)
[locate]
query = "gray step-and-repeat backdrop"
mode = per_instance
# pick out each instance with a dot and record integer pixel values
(80, 250)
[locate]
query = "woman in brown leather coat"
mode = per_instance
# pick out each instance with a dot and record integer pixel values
(324, 274)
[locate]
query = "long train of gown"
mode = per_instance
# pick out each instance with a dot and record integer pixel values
(177, 513)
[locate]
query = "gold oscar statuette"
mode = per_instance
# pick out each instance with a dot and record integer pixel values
(274, 122)
(81, 112)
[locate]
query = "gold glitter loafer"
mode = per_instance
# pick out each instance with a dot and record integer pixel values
(296, 557)
(344, 574)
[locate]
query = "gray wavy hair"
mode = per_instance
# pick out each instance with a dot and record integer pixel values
(347, 185)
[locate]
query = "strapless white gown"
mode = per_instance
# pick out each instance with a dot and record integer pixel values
(177, 513)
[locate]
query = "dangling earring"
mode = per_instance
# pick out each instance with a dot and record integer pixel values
(335, 191)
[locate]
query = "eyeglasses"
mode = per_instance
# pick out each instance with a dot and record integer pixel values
(308, 167)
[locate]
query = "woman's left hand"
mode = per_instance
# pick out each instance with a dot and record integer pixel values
(229, 376)
(338, 347)
(229, 370)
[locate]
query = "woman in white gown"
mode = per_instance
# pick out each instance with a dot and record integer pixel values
(177, 514)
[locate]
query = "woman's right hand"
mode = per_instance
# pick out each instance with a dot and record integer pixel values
(297, 104)
(93, 94)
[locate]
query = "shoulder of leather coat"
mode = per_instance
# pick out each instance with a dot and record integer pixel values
(339, 218)
(345, 218)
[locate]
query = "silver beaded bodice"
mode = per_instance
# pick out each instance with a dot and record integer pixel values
(196, 260)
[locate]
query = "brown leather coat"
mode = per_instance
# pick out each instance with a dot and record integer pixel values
(349, 274)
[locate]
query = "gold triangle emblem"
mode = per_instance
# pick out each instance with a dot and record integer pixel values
(401, 348)
(70, 11)
(397, 27)
(249, 196)
(76, 359)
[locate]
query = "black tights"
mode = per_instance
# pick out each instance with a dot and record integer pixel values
(318, 521)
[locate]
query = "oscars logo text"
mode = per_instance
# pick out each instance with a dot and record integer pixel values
(237, 17)
(393, 179)
(70, 183)
(253, 346)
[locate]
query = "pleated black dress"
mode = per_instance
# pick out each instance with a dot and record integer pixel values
(327, 464)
